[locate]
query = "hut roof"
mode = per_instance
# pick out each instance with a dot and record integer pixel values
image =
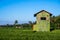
(42, 11)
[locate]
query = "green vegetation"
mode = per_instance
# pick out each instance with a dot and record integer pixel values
(22, 34)
(55, 22)
(10, 32)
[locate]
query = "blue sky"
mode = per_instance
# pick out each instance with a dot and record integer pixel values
(23, 10)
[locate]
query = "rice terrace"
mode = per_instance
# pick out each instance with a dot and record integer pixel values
(29, 20)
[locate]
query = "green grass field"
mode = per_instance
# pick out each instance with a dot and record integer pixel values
(20, 34)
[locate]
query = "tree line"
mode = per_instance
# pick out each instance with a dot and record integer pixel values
(54, 23)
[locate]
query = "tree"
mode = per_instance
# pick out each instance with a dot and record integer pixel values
(30, 24)
(58, 21)
(53, 22)
(16, 22)
(7, 25)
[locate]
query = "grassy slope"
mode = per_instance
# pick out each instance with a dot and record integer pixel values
(19, 34)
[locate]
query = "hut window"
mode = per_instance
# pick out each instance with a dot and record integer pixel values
(43, 18)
